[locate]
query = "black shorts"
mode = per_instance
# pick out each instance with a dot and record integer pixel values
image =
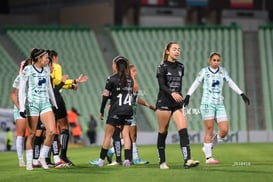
(120, 120)
(169, 108)
(61, 112)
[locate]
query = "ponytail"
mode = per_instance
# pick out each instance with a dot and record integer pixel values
(122, 69)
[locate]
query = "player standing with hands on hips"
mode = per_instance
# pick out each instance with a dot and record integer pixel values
(169, 103)
(212, 107)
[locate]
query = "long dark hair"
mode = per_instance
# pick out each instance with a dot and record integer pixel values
(36, 53)
(122, 69)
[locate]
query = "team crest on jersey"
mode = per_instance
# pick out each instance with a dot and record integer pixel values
(180, 73)
(41, 81)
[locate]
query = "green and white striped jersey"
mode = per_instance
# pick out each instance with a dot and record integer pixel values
(213, 82)
(37, 84)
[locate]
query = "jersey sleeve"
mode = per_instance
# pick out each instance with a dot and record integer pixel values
(231, 83)
(51, 95)
(57, 77)
(22, 88)
(105, 95)
(161, 79)
(16, 82)
(196, 82)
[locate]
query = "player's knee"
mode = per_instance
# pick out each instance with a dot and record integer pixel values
(224, 132)
(51, 133)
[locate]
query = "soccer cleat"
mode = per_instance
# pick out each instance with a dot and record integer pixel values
(29, 167)
(191, 163)
(61, 164)
(109, 156)
(163, 166)
(36, 163)
(66, 160)
(94, 162)
(97, 162)
(43, 163)
(127, 163)
(212, 161)
(50, 165)
(22, 163)
(114, 163)
(140, 161)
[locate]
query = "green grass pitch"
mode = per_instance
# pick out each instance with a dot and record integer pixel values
(238, 162)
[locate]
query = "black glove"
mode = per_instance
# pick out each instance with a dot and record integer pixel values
(23, 114)
(186, 100)
(245, 98)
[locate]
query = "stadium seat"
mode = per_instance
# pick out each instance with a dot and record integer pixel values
(265, 45)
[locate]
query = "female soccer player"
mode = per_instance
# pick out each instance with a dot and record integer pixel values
(169, 103)
(212, 107)
(58, 163)
(118, 89)
(35, 98)
(133, 128)
(20, 122)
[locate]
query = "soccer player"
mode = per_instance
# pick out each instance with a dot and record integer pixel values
(169, 104)
(119, 89)
(61, 113)
(20, 122)
(212, 107)
(133, 128)
(35, 98)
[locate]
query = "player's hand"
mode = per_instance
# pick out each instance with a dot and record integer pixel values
(152, 107)
(23, 114)
(64, 78)
(101, 116)
(81, 79)
(245, 98)
(186, 101)
(75, 86)
(177, 97)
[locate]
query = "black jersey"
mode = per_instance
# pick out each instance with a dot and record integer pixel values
(121, 98)
(169, 75)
